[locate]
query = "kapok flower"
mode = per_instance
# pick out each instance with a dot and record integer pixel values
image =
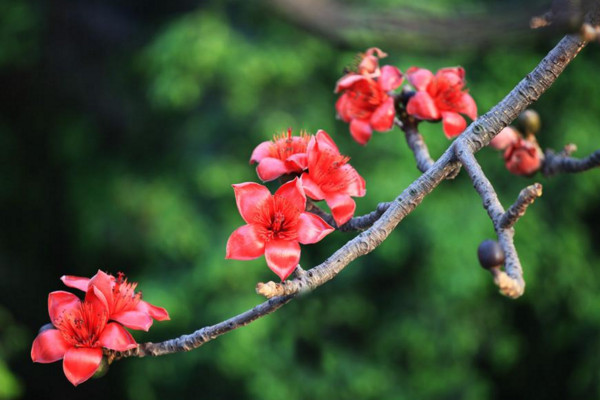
(80, 332)
(331, 178)
(504, 138)
(523, 157)
(285, 154)
(365, 102)
(441, 96)
(123, 303)
(276, 224)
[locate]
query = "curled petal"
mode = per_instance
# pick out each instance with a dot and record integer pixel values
(271, 168)
(96, 297)
(115, 337)
(348, 80)
(325, 142)
(342, 107)
(357, 185)
(133, 319)
(297, 162)
(282, 256)
(245, 244)
(294, 192)
(250, 198)
(157, 313)
(422, 106)
(383, 118)
(261, 151)
(311, 189)
(468, 106)
(80, 363)
(75, 282)
(103, 284)
(390, 78)
(361, 131)
(49, 346)
(59, 302)
(453, 124)
(420, 78)
(312, 228)
(459, 72)
(376, 50)
(342, 207)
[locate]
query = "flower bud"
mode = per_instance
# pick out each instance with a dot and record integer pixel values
(490, 254)
(102, 368)
(529, 122)
(523, 157)
(505, 138)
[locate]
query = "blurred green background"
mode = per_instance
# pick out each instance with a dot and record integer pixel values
(124, 123)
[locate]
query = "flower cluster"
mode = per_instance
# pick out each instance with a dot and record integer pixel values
(276, 224)
(79, 330)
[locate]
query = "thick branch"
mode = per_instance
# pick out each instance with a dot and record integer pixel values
(355, 224)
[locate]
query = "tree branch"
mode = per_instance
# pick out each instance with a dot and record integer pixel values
(562, 163)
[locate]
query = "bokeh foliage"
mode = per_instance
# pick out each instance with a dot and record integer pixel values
(121, 132)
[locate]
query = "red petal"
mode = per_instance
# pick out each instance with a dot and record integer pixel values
(311, 189)
(325, 142)
(261, 151)
(271, 168)
(49, 346)
(419, 77)
(468, 106)
(244, 244)
(80, 363)
(380, 53)
(505, 138)
(312, 228)
(422, 106)
(361, 131)
(342, 207)
(458, 71)
(115, 337)
(75, 282)
(59, 302)
(97, 298)
(348, 80)
(250, 198)
(133, 319)
(390, 78)
(383, 118)
(282, 256)
(453, 124)
(341, 106)
(103, 284)
(158, 313)
(357, 185)
(297, 162)
(293, 191)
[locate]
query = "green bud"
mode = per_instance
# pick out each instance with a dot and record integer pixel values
(490, 254)
(529, 122)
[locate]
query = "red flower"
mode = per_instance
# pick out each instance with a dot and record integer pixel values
(504, 138)
(365, 103)
(276, 224)
(441, 96)
(285, 154)
(523, 157)
(331, 178)
(79, 334)
(118, 296)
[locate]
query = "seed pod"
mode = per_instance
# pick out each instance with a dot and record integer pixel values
(529, 122)
(102, 368)
(490, 254)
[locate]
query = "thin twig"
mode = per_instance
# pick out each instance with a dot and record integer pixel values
(558, 163)
(517, 210)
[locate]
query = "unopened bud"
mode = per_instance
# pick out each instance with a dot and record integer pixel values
(102, 368)
(490, 254)
(529, 122)
(588, 32)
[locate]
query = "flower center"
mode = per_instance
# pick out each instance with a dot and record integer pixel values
(81, 326)
(331, 173)
(124, 296)
(278, 219)
(285, 145)
(447, 92)
(364, 97)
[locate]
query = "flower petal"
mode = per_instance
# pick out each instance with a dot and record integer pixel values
(361, 131)
(312, 228)
(390, 78)
(261, 151)
(133, 319)
(271, 168)
(297, 162)
(75, 282)
(282, 256)
(158, 313)
(115, 337)
(80, 363)
(294, 192)
(454, 124)
(348, 80)
(357, 185)
(419, 77)
(49, 346)
(382, 118)
(103, 284)
(245, 244)
(342, 207)
(458, 71)
(325, 142)
(59, 302)
(505, 138)
(468, 106)
(311, 189)
(250, 197)
(422, 106)
(342, 107)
